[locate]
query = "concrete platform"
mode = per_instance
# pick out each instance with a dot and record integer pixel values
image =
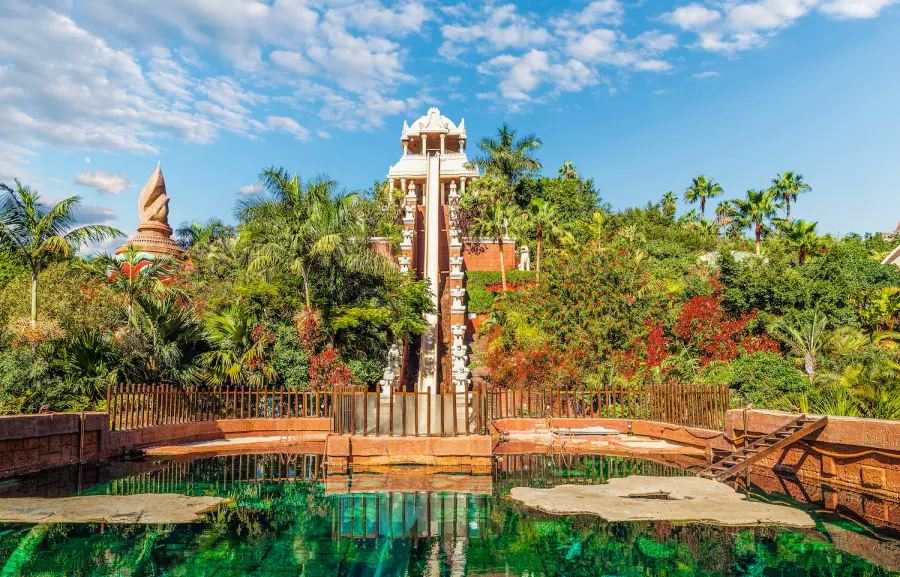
(675, 499)
(150, 509)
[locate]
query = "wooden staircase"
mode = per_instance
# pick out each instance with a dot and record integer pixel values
(762, 447)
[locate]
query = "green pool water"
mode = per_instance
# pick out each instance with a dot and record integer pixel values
(284, 521)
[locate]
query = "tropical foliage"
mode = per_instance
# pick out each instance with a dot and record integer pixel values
(293, 295)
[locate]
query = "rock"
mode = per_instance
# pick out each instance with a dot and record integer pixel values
(146, 509)
(676, 499)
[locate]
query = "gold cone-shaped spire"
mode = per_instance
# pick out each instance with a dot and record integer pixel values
(154, 233)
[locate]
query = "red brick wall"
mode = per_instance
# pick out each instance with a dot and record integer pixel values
(486, 256)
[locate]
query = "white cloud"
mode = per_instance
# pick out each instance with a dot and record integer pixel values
(407, 18)
(103, 181)
(855, 8)
(250, 190)
(716, 42)
(498, 28)
(87, 159)
(593, 45)
(705, 74)
(323, 134)
(692, 17)
(293, 61)
(287, 126)
(653, 65)
(655, 41)
(768, 14)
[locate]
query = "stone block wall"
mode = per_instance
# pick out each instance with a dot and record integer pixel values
(30, 443)
(859, 455)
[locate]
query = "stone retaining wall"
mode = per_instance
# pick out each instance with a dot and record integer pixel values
(703, 438)
(30, 443)
(860, 455)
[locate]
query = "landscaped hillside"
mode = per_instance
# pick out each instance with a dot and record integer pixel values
(291, 295)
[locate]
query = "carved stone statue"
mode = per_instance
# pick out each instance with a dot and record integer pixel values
(392, 369)
(404, 262)
(154, 233)
(524, 258)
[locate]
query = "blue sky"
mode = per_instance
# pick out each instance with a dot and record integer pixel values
(642, 95)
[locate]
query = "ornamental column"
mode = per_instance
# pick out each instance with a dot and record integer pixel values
(459, 349)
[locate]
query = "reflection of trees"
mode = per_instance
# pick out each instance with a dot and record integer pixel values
(274, 528)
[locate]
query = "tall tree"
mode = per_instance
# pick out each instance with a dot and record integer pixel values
(131, 275)
(755, 211)
(802, 236)
(701, 189)
(567, 171)
(788, 186)
(724, 212)
(36, 234)
(493, 224)
(508, 157)
(543, 218)
(190, 235)
(669, 204)
(307, 229)
(241, 353)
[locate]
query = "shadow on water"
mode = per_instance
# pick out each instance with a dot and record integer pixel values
(282, 521)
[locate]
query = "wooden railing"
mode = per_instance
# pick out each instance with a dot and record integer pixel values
(701, 406)
(358, 412)
(136, 406)
(419, 414)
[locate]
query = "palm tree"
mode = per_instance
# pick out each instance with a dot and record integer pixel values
(543, 217)
(596, 228)
(190, 235)
(724, 212)
(163, 342)
(493, 224)
(567, 171)
(669, 204)
(788, 186)
(805, 339)
(507, 157)
(241, 352)
(758, 208)
(305, 229)
(37, 235)
(702, 189)
(131, 274)
(802, 236)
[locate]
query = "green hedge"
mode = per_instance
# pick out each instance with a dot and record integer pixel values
(481, 300)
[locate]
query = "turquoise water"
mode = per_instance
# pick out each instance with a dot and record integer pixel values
(284, 521)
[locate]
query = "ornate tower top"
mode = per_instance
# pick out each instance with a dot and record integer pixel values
(154, 233)
(153, 203)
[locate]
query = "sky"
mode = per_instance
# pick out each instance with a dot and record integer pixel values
(642, 95)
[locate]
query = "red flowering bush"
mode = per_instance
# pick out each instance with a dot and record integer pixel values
(704, 325)
(327, 370)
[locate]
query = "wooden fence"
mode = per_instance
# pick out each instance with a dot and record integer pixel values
(136, 406)
(358, 412)
(701, 406)
(419, 414)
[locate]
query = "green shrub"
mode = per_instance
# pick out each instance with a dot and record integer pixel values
(291, 359)
(481, 300)
(761, 378)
